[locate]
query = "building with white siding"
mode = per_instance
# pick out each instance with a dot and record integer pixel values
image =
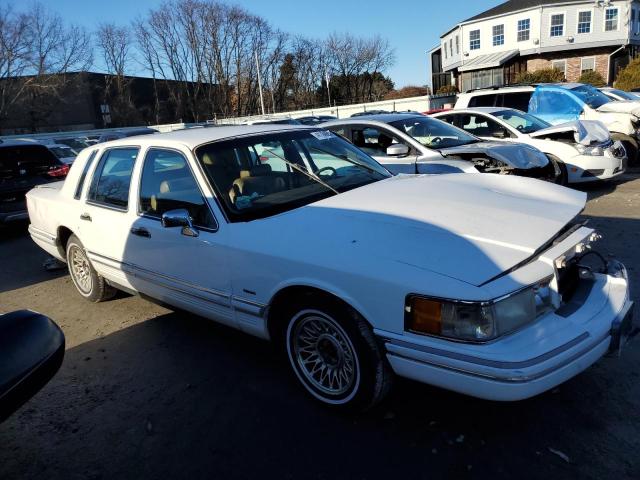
(491, 48)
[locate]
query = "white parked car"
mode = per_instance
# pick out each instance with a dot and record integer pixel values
(619, 95)
(565, 102)
(415, 143)
(583, 149)
(472, 283)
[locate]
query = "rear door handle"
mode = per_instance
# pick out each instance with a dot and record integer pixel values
(85, 216)
(141, 232)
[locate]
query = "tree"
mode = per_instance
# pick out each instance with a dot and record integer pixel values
(545, 75)
(407, 92)
(592, 77)
(629, 77)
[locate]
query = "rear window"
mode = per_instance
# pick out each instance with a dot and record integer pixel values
(25, 160)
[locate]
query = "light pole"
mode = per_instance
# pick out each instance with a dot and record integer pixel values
(327, 78)
(259, 83)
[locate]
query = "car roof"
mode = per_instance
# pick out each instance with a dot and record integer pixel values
(487, 110)
(381, 118)
(194, 137)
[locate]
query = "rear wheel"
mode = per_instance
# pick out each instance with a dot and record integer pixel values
(87, 281)
(335, 356)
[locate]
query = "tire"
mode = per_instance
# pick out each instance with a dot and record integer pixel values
(561, 168)
(87, 281)
(335, 356)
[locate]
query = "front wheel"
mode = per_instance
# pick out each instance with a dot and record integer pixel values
(87, 281)
(334, 355)
(630, 147)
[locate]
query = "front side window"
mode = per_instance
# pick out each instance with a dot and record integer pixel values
(168, 184)
(557, 25)
(262, 175)
(587, 64)
(524, 30)
(474, 40)
(112, 178)
(610, 19)
(584, 22)
(521, 121)
(498, 35)
(434, 133)
(479, 125)
(373, 141)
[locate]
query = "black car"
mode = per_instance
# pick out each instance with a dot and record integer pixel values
(24, 165)
(316, 119)
(108, 136)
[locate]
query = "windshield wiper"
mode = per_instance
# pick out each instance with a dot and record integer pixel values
(303, 171)
(346, 159)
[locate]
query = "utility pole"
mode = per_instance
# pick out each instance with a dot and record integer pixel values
(260, 83)
(326, 77)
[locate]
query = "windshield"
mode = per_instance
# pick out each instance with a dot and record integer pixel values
(434, 133)
(523, 122)
(590, 95)
(266, 174)
(623, 94)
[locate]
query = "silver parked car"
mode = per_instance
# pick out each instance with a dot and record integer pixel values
(408, 143)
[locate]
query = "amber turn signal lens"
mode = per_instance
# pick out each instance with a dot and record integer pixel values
(425, 316)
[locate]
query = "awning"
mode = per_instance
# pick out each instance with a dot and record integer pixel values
(491, 60)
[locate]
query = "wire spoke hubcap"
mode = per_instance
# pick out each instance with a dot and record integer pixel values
(324, 354)
(81, 270)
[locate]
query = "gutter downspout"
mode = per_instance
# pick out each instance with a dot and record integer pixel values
(609, 63)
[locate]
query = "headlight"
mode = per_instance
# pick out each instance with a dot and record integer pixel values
(596, 151)
(477, 321)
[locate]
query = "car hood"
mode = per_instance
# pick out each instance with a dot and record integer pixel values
(516, 155)
(627, 106)
(586, 132)
(467, 227)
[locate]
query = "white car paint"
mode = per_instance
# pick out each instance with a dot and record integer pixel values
(581, 168)
(453, 236)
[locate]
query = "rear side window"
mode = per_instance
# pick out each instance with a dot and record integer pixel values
(167, 184)
(517, 100)
(83, 175)
(112, 178)
(483, 101)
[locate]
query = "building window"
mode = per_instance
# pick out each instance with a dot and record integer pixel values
(445, 50)
(474, 40)
(451, 46)
(610, 19)
(560, 65)
(498, 35)
(457, 44)
(587, 64)
(524, 30)
(557, 25)
(584, 22)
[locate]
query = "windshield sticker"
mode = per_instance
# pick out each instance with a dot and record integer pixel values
(322, 135)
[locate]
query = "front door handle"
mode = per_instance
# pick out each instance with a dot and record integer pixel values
(85, 216)
(141, 232)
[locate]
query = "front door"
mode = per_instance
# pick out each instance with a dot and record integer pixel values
(179, 266)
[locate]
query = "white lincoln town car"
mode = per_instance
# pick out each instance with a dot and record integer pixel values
(482, 284)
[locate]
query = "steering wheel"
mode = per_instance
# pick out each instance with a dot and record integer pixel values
(520, 127)
(331, 169)
(436, 140)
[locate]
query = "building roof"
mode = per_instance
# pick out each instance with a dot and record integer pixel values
(517, 5)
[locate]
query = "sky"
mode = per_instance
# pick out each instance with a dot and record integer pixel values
(412, 29)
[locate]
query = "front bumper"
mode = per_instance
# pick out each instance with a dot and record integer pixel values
(547, 353)
(585, 168)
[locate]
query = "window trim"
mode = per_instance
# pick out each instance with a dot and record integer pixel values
(528, 30)
(475, 40)
(604, 19)
(142, 214)
(564, 23)
(563, 60)
(108, 206)
(584, 10)
(77, 195)
(582, 59)
(494, 36)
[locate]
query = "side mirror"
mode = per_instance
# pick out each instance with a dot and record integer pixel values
(500, 133)
(31, 352)
(397, 150)
(179, 218)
